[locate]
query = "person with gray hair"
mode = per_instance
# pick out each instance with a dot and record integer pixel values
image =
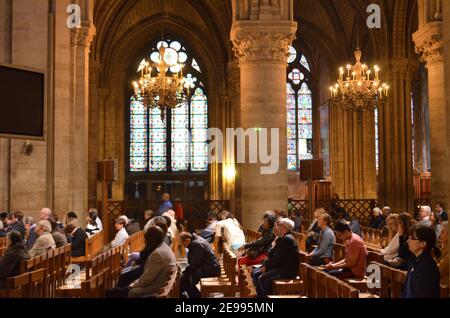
(424, 215)
(45, 214)
(282, 262)
(44, 241)
(376, 219)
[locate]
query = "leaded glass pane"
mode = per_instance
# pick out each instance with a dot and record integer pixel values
(305, 131)
(292, 54)
(305, 63)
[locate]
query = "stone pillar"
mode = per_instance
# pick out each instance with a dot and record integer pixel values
(81, 42)
(232, 120)
(261, 35)
(352, 149)
(429, 44)
(396, 183)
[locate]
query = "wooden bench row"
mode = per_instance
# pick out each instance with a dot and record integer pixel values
(228, 283)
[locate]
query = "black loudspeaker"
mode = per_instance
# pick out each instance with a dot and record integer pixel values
(311, 169)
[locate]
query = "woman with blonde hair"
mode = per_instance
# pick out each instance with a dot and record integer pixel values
(391, 250)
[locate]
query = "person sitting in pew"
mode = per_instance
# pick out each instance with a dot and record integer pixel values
(78, 239)
(121, 235)
(231, 231)
(256, 252)
(92, 227)
(443, 261)
(71, 218)
(14, 222)
(355, 262)
(44, 240)
(343, 217)
(14, 256)
(376, 219)
(424, 215)
(209, 231)
(59, 237)
(202, 262)
(131, 226)
(313, 230)
(323, 253)
(423, 279)
(2, 230)
(282, 261)
(158, 267)
(401, 261)
(136, 261)
(391, 250)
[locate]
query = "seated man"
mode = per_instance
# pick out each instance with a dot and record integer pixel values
(121, 235)
(77, 237)
(44, 241)
(424, 215)
(158, 267)
(256, 251)
(202, 263)
(355, 262)
(323, 253)
(283, 259)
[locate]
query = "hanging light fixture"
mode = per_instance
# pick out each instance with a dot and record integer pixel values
(358, 89)
(162, 84)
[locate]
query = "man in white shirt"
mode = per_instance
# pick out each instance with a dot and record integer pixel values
(122, 235)
(232, 231)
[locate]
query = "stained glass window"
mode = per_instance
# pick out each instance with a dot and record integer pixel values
(299, 108)
(177, 142)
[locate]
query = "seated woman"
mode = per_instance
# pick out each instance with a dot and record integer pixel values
(401, 261)
(423, 273)
(231, 231)
(256, 252)
(158, 267)
(78, 238)
(391, 250)
(92, 227)
(14, 256)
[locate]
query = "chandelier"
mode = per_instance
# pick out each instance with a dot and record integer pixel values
(360, 90)
(157, 88)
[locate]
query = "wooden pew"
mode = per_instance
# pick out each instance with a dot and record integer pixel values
(94, 245)
(2, 242)
(28, 285)
(301, 241)
(392, 281)
(251, 236)
(3, 250)
(227, 285)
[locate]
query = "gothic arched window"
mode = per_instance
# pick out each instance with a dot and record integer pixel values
(299, 109)
(177, 142)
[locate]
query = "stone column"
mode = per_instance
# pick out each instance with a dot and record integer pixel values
(429, 44)
(352, 149)
(81, 42)
(396, 184)
(261, 35)
(233, 120)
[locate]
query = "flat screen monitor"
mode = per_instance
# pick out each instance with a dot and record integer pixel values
(22, 102)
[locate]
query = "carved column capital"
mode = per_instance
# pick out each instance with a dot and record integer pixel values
(429, 42)
(83, 37)
(256, 42)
